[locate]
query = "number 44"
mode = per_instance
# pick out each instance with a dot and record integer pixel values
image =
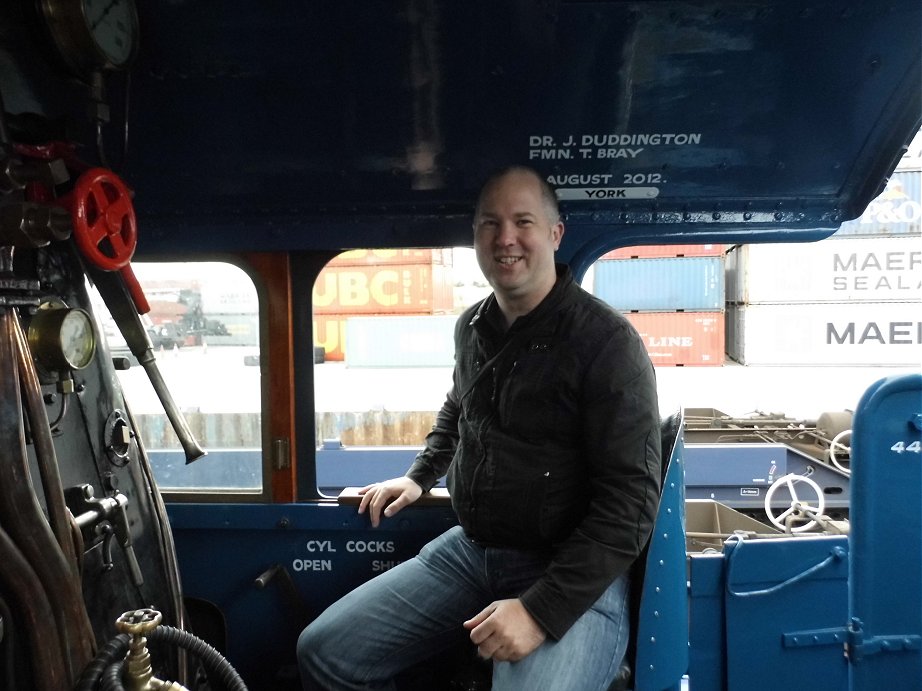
(912, 447)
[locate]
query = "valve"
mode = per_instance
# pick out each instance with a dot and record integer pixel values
(138, 674)
(105, 227)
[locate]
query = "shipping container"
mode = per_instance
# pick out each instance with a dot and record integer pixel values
(849, 334)
(879, 269)
(681, 338)
(896, 211)
(330, 334)
(401, 341)
(656, 251)
(661, 285)
(382, 257)
(397, 289)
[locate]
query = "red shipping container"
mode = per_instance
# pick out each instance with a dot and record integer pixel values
(330, 334)
(654, 251)
(397, 289)
(681, 338)
(382, 257)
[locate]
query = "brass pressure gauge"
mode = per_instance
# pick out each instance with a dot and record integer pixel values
(93, 34)
(62, 338)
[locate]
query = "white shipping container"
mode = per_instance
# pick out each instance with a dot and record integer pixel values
(854, 334)
(881, 269)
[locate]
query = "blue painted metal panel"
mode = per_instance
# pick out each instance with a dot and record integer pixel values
(707, 659)
(885, 588)
(376, 112)
(661, 285)
(779, 592)
(233, 469)
(326, 549)
(662, 628)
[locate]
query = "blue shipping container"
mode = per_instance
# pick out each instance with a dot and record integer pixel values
(896, 211)
(401, 341)
(694, 284)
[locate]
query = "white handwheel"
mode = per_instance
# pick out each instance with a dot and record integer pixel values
(837, 442)
(797, 505)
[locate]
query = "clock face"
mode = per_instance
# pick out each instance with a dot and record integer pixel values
(113, 26)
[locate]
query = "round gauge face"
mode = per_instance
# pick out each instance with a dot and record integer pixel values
(92, 34)
(113, 25)
(62, 338)
(78, 342)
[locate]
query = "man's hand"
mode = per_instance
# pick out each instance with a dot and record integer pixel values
(393, 494)
(505, 631)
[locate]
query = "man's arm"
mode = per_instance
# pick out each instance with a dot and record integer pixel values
(431, 463)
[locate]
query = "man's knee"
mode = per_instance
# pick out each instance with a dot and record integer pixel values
(308, 643)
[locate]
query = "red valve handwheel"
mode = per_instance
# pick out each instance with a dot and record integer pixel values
(105, 226)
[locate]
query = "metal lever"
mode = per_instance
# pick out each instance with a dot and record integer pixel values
(106, 517)
(129, 323)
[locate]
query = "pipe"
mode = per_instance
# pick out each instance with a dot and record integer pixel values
(44, 447)
(8, 645)
(23, 518)
(44, 641)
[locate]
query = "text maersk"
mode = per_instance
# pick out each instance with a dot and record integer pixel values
(884, 333)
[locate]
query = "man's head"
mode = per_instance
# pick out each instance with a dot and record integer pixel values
(517, 229)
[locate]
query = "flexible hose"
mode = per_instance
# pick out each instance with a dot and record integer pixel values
(106, 668)
(112, 652)
(111, 679)
(214, 663)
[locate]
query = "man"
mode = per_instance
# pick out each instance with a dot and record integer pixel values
(550, 439)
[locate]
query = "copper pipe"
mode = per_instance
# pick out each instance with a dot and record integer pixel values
(25, 522)
(37, 619)
(44, 447)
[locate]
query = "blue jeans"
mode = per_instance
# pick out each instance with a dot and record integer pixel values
(415, 610)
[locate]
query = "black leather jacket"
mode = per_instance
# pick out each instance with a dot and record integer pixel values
(550, 438)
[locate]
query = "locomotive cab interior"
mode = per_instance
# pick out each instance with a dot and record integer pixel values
(147, 149)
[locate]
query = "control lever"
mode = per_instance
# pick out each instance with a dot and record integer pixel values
(106, 517)
(105, 230)
(135, 335)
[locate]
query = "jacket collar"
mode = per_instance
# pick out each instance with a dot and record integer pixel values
(486, 317)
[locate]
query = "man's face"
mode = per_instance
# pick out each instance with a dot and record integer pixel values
(515, 240)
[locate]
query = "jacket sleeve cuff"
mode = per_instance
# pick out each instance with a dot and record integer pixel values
(552, 615)
(422, 475)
